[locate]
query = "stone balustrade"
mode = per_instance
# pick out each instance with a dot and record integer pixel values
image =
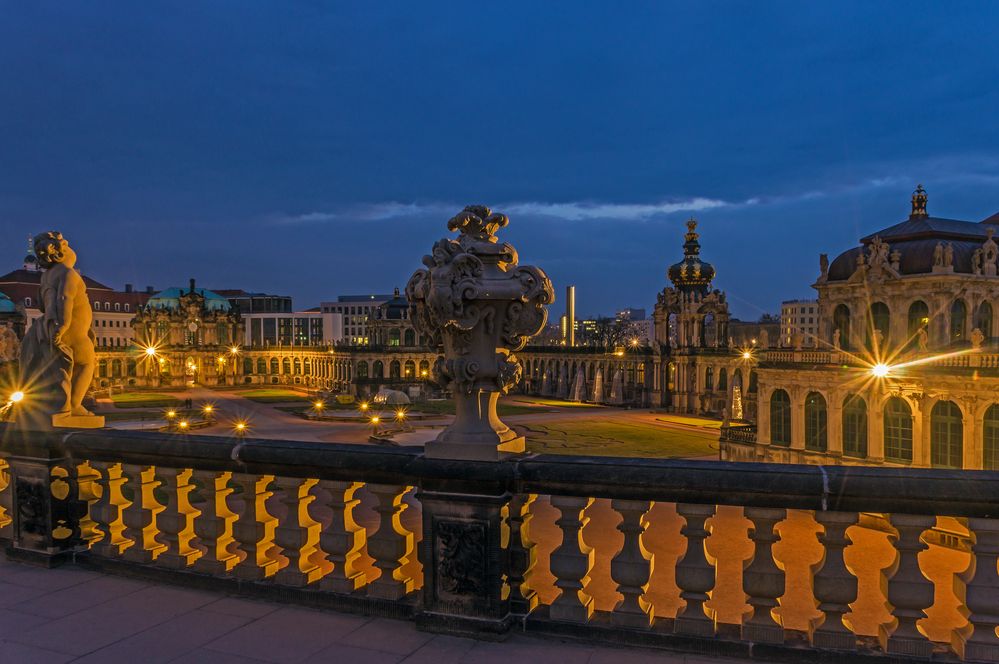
(762, 560)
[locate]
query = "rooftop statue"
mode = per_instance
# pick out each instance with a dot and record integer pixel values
(57, 354)
(478, 306)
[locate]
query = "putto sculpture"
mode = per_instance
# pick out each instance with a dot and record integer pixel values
(57, 353)
(478, 307)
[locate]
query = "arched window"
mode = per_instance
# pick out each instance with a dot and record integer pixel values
(97, 306)
(362, 369)
(983, 319)
(128, 307)
(946, 435)
(307, 366)
(855, 426)
(425, 369)
(394, 337)
(27, 301)
(378, 369)
(816, 438)
(117, 306)
(958, 314)
(898, 430)
(410, 369)
(286, 365)
(780, 418)
(298, 367)
(918, 319)
(410, 337)
(841, 322)
(723, 379)
(752, 382)
(102, 369)
(394, 370)
(990, 438)
(261, 366)
(709, 379)
(130, 368)
(247, 365)
(274, 366)
(879, 318)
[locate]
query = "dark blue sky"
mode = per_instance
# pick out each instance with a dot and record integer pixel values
(318, 148)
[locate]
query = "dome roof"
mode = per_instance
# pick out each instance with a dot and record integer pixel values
(916, 239)
(691, 274)
(6, 305)
(170, 299)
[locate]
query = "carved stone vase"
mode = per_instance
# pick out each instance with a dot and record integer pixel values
(478, 307)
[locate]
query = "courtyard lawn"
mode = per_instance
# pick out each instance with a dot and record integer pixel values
(692, 421)
(436, 407)
(273, 395)
(602, 438)
(556, 403)
(144, 400)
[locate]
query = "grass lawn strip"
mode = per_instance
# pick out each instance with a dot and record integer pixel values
(618, 439)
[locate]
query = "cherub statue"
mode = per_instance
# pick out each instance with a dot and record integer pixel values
(948, 255)
(977, 338)
(57, 354)
(837, 336)
(938, 251)
(976, 261)
(922, 340)
(823, 265)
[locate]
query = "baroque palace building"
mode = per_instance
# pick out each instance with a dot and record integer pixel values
(906, 369)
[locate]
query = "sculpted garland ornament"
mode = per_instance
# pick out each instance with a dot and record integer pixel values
(478, 306)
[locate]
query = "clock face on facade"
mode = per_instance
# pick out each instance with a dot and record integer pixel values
(192, 326)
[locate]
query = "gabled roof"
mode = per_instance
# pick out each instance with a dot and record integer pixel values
(23, 276)
(927, 227)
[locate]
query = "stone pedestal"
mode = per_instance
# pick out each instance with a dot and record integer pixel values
(45, 505)
(67, 421)
(463, 564)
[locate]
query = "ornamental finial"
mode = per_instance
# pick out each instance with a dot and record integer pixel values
(919, 202)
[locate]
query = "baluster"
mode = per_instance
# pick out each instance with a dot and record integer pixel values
(88, 481)
(762, 579)
(695, 576)
(254, 528)
(140, 514)
(520, 555)
(107, 511)
(6, 500)
(214, 524)
(297, 533)
(834, 586)
(909, 591)
(344, 539)
(572, 561)
(176, 519)
(978, 641)
(391, 545)
(631, 568)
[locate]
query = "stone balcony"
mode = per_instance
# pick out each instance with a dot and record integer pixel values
(773, 562)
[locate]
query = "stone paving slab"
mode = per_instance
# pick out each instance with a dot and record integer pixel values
(86, 617)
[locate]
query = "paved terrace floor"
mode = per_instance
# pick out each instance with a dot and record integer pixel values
(74, 615)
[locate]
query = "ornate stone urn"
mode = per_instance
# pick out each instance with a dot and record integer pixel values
(478, 307)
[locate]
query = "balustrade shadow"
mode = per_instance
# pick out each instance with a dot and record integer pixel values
(765, 560)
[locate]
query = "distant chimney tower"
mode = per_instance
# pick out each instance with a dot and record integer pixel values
(570, 316)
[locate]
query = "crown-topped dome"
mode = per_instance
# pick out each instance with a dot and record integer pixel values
(691, 274)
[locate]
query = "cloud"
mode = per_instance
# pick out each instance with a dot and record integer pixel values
(567, 211)
(576, 210)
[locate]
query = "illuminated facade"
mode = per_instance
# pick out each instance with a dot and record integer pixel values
(906, 371)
